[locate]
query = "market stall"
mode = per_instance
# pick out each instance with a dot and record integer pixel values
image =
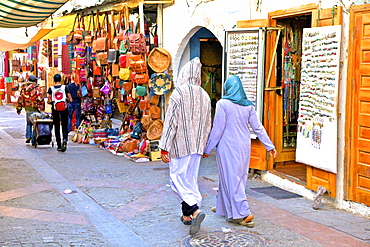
(122, 74)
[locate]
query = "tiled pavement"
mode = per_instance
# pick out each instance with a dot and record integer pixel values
(122, 203)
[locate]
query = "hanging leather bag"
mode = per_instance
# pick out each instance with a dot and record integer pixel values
(137, 63)
(142, 78)
(71, 39)
(137, 43)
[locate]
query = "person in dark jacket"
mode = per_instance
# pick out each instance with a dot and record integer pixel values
(75, 105)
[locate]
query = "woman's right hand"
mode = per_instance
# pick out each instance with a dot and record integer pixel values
(273, 152)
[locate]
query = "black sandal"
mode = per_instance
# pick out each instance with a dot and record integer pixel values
(186, 222)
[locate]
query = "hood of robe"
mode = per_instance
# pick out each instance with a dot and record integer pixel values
(190, 73)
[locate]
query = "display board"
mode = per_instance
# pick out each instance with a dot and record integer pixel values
(317, 121)
(244, 56)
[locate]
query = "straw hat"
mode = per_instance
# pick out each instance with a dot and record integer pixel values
(160, 83)
(159, 59)
(155, 130)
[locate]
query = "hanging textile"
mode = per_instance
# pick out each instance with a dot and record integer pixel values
(2, 62)
(6, 64)
(55, 53)
(66, 59)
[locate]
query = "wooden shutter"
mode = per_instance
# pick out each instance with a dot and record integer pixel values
(258, 152)
(315, 176)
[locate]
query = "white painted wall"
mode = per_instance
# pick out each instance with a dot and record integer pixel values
(186, 17)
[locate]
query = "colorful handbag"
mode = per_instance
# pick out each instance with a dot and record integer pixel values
(137, 63)
(127, 85)
(80, 49)
(141, 90)
(142, 78)
(122, 61)
(144, 104)
(84, 91)
(137, 43)
(113, 56)
(124, 73)
(106, 88)
(115, 69)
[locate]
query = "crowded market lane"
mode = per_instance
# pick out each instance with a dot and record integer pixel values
(117, 202)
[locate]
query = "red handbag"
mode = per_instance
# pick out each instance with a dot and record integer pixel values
(117, 83)
(96, 69)
(132, 77)
(123, 61)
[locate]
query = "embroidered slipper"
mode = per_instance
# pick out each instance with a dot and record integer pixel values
(195, 223)
(186, 222)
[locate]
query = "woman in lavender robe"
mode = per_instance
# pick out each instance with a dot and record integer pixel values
(231, 137)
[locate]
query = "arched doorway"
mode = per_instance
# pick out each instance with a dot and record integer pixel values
(205, 45)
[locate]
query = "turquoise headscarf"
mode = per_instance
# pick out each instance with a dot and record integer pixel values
(234, 91)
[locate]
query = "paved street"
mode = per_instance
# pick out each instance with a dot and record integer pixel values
(116, 202)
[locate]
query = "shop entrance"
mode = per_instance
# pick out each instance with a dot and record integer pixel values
(288, 76)
(206, 46)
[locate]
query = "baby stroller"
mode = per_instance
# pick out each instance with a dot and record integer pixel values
(42, 129)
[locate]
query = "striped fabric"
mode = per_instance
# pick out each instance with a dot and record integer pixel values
(55, 52)
(26, 13)
(188, 117)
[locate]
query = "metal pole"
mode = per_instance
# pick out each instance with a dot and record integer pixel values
(141, 14)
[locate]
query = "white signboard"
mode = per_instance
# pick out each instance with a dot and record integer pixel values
(317, 121)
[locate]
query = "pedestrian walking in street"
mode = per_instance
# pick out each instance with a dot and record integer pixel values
(184, 137)
(32, 100)
(231, 135)
(58, 95)
(75, 105)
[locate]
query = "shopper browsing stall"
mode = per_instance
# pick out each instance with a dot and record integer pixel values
(31, 100)
(75, 105)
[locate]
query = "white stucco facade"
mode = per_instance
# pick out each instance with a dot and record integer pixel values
(183, 19)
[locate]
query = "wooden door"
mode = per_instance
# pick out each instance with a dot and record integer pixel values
(358, 105)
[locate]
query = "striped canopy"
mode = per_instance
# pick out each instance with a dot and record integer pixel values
(26, 13)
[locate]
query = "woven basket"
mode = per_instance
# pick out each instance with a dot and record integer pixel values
(159, 59)
(146, 120)
(155, 130)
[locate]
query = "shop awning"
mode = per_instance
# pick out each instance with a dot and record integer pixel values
(26, 13)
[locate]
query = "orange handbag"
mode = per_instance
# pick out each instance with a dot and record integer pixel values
(142, 78)
(96, 69)
(127, 86)
(144, 104)
(115, 69)
(137, 63)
